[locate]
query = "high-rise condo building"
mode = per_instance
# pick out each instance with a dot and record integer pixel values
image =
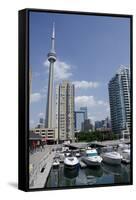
(49, 106)
(120, 102)
(84, 109)
(65, 111)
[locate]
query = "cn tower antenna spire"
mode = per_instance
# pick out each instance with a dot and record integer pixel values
(53, 38)
(53, 31)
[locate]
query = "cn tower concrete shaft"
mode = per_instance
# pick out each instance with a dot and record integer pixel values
(49, 106)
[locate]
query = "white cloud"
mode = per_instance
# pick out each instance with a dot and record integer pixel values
(41, 114)
(89, 101)
(85, 84)
(84, 101)
(35, 97)
(100, 102)
(61, 70)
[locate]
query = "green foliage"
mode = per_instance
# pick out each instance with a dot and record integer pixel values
(96, 135)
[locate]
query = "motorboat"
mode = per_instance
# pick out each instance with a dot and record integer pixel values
(77, 154)
(113, 158)
(107, 149)
(92, 158)
(67, 154)
(61, 157)
(71, 162)
(56, 163)
(126, 156)
(123, 146)
(124, 150)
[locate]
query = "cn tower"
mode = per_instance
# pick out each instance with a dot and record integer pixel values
(51, 58)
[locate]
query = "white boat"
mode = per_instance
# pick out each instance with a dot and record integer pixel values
(67, 154)
(123, 146)
(56, 163)
(107, 149)
(92, 158)
(71, 162)
(61, 157)
(124, 150)
(78, 154)
(126, 156)
(113, 158)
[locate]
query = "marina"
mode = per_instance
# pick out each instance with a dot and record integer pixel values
(106, 174)
(80, 125)
(64, 166)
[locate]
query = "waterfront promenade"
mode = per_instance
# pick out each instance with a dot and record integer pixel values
(40, 163)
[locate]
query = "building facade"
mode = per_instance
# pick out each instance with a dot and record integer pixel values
(79, 119)
(65, 111)
(87, 126)
(120, 102)
(103, 124)
(84, 109)
(49, 135)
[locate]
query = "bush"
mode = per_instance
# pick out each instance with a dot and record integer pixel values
(96, 135)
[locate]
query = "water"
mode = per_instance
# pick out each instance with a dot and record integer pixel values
(106, 174)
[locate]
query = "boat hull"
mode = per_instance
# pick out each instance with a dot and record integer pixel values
(71, 163)
(91, 163)
(112, 161)
(66, 166)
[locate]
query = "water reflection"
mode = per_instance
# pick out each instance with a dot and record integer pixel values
(106, 174)
(71, 173)
(111, 169)
(98, 172)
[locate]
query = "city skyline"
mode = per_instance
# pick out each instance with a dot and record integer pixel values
(91, 88)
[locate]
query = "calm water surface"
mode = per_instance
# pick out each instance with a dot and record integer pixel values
(106, 174)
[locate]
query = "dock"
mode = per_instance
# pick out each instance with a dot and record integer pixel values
(95, 144)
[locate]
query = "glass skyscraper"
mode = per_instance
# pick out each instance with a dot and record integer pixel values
(84, 109)
(79, 119)
(120, 100)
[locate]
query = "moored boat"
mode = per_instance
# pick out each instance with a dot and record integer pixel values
(71, 162)
(92, 158)
(56, 163)
(61, 157)
(77, 154)
(126, 156)
(113, 158)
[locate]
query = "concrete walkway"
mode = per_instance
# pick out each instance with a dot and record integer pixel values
(38, 155)
(42, 176)
(40, 164)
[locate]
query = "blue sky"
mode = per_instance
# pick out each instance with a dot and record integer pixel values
(89, 51)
